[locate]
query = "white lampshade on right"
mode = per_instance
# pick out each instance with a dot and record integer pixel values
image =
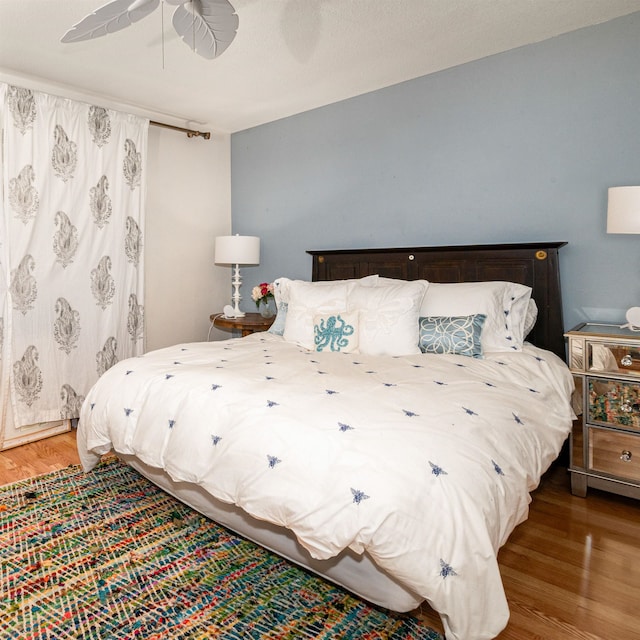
(623, 210)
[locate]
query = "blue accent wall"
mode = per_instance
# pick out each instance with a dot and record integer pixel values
(517, 147)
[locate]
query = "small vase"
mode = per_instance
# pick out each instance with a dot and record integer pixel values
(266, 309)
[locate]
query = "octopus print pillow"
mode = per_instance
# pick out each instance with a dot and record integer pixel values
(306, 300)
(336, 332)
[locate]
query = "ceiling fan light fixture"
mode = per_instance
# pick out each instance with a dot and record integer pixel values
(206, 26)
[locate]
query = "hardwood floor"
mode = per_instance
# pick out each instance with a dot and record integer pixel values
(570, 572)
(38, 458)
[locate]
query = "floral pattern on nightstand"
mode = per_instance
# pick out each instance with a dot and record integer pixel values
(614, 402)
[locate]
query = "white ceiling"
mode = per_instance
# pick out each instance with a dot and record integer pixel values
(289, 56)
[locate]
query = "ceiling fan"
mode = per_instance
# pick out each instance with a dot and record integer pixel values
(207, 26)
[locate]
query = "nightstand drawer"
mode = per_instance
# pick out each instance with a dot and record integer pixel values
(613, 358)
(614, 403)
(615, 453)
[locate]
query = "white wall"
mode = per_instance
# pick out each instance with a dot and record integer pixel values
(188, 205)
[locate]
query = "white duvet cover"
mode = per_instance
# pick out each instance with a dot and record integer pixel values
(425, 461)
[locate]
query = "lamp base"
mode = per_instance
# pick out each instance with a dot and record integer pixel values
(228, 312)
(633, 319)
(236, 282)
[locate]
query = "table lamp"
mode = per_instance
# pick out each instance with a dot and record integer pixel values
(623, 216)
(236, 250)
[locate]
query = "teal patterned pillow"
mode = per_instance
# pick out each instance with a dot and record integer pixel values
(452, 334)
(336, 332)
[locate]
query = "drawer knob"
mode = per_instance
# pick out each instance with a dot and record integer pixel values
(626, 361)
(411, 256)
(625, 456)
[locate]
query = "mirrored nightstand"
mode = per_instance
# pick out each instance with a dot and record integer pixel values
(605, 441)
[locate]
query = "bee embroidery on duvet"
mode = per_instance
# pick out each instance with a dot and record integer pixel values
(128, 412)
(330, 392)
(273, 461)
(344, 427)
(215, 387)
(215, 440)
(446, 569)
(358, 496)
(171, 424)
(409, 414)
(442, 384)
(332, 334)
(517, 418)
(497, 468)
(470, 412)
(271, 403)
(436, 470)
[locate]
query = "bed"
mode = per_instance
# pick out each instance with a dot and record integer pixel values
(392, 463)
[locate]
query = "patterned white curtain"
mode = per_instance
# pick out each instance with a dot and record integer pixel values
(71, 249)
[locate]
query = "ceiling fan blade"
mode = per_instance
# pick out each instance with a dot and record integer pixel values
(109, 18)
(207, 26)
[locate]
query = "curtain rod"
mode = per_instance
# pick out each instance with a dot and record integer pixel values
(191, 133)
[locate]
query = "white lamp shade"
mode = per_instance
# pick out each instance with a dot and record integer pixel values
(237, 250)
(623, 210)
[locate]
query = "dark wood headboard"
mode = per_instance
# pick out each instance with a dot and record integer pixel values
(533, 264)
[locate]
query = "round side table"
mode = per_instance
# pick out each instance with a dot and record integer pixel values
(249, 323)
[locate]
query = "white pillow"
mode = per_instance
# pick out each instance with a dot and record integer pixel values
(306, 300)
(503, 303)
(336, 332)
(281, 295)
(281, 285)
(388, 317)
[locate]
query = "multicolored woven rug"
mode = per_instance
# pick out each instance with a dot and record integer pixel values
(108, 555)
